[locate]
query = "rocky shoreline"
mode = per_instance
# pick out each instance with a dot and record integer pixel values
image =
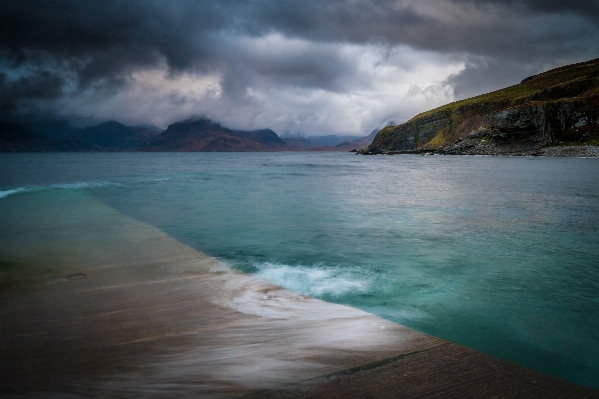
(461, 148)
(572, 151)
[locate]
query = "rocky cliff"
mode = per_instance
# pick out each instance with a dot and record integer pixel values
(560, 106)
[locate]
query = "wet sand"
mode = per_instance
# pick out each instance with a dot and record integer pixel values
(120, 309)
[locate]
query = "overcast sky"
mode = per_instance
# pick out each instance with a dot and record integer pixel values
(297, 67)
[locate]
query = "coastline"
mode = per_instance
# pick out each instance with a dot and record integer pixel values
(587, 151)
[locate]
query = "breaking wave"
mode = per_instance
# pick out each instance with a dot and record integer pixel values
(316, 280)
(70, 186)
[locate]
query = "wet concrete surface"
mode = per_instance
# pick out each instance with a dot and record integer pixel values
(448, 371)
(124, 310)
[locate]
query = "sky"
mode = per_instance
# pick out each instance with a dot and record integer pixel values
(304, 67)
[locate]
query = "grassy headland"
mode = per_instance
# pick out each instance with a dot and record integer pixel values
(557, 107)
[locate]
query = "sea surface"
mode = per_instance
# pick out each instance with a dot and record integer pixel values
(499, 254)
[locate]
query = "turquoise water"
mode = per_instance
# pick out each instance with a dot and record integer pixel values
(499, 254)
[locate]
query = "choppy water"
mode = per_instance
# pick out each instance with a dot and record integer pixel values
(499, 254)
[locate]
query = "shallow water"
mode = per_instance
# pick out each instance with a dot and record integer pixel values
(499, 254)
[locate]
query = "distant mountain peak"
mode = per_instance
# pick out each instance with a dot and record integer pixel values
(205, 135)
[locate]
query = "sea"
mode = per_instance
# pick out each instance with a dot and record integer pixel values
(499, 254)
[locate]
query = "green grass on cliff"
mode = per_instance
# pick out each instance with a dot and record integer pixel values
(577, 84)
(537, 84)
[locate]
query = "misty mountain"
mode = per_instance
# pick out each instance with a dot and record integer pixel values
(357, 143)
(297, 142)
(115, 135)
(207, 136)
(53, 129)
(61, 136)
(111, 135)
(189, 135)
(324, 141)
(17, 138)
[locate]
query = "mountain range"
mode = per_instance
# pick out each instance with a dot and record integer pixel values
(17, 138)
(557, 107)
(207, 136)
(194, 135)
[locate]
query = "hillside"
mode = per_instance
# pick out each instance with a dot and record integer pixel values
(17, 138)
(207, 136)
(115, 136)
(200, 135)
(111, 135)
(560, 106)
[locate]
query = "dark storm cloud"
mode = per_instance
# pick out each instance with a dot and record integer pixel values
(41, 85)
(350, 21)
(441, 26)
(485, 75)
(114, 35)
(103, 40)
(586, 8)
(102, 37)
(62, 48)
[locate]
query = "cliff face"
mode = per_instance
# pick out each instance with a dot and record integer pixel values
(558, 106)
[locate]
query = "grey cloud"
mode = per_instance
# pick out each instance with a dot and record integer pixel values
(506, 29)
(484, 75)
(356, 21)
(297, 63)
(59, 48)
(112, 35)
(107, 37)
(42, 85)
(586, 8)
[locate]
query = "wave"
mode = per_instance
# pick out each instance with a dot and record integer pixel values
(316, 280)
(78, 186)
(71, 186)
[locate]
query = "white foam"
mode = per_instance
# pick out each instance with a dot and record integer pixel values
(316, 280)
(72, 186)
(6, 193)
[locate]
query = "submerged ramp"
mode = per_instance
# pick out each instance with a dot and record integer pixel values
(94, 303)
